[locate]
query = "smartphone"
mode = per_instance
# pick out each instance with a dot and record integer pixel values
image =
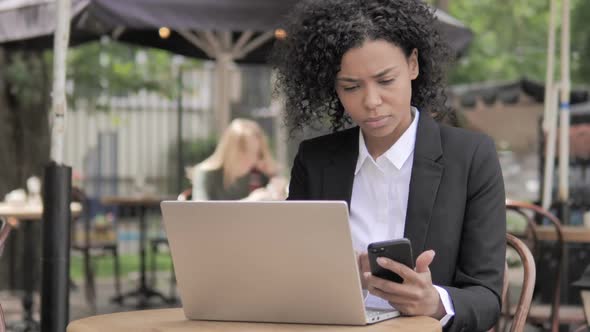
(399, 250)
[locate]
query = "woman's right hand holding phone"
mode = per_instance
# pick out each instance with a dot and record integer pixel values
(363, 264)
(416, 295)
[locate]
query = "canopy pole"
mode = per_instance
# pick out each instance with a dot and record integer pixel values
(59, 106)
(550, 73)
(219, 46)
(564, 114)
(549, 123)
(222, 91)
(55, 258)
(198, 42)
(550, 144)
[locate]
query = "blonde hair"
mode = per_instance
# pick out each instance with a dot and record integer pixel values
(231, 148)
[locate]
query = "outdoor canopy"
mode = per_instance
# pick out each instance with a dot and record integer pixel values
(31, 23)
(227, 31)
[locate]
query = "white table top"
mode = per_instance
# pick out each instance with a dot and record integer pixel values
(31, 211)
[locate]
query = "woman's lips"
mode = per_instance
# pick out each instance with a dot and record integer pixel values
(377, 122)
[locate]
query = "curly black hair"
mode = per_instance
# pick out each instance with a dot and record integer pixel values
(320, 32)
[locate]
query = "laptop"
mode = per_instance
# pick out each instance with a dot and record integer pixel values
(281, 262)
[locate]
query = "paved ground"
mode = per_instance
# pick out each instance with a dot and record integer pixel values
(11, 301)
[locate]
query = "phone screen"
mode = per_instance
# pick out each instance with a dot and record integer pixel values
(399, 250)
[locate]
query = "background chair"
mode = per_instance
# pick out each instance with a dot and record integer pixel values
(553, 314)
(528, 284)
(4, 231)
(91, 244)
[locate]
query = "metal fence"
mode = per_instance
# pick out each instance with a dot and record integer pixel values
(130, 142)
(133, 142)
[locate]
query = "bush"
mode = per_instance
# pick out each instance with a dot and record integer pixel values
(194, 151)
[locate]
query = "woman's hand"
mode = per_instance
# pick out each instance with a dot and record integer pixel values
(13, 222)
(363, 264)
(416, 295)
(266, 169)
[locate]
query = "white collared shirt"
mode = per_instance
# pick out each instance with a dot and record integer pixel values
(380, 199)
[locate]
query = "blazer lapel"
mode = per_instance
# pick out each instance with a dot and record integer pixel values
(338, 176)
(426, 175)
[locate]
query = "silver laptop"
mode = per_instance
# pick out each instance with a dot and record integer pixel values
(286, 262)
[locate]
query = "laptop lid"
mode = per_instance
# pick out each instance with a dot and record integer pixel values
(286, 261)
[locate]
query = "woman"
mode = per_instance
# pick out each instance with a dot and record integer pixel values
(241, 164)
(379, 64)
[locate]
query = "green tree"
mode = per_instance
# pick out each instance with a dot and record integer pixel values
(109, 68)
(581, 42)
(24, 132)
(95, 70)
(509, 39)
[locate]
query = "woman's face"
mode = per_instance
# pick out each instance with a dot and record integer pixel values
(251, 151)
(375, 87)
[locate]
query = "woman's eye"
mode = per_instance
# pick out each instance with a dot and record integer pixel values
(350, 88)
(386, 82)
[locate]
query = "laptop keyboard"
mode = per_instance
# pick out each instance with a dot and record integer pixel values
(374, 313)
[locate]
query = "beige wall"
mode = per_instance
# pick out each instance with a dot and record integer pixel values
(514, 127)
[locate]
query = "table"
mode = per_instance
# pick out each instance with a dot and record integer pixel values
(143, 202)
(28, 213)
(173, 320)
(571, 234)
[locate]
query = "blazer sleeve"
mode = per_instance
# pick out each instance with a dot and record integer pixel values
(477, 284)
(298, 185)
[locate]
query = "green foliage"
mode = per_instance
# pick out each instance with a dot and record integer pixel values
(109, 68)
(509, 41)
(27, 77)
(198, 150)
(95, 70)
(194, 151)
(581, 42)
(129, 263)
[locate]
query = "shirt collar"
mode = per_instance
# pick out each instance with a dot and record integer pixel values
(399, 152)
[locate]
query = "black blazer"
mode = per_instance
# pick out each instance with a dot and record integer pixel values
(456, 206)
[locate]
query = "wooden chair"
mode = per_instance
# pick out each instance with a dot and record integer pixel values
(555, 313)
(585, 295)
(4, 231)
(528, 285)
(89, 247)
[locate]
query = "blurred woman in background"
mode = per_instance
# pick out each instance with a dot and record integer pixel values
(240, 168)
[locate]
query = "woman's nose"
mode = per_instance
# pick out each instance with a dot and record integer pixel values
(372, 99)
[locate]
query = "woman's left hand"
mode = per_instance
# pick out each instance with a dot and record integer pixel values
(417, 295)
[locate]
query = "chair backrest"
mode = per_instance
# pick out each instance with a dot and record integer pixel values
(4, 231)
(528, 283)
(79, 196)
(532, 213)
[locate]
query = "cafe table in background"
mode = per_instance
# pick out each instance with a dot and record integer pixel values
(27, 213)
(142, 202)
